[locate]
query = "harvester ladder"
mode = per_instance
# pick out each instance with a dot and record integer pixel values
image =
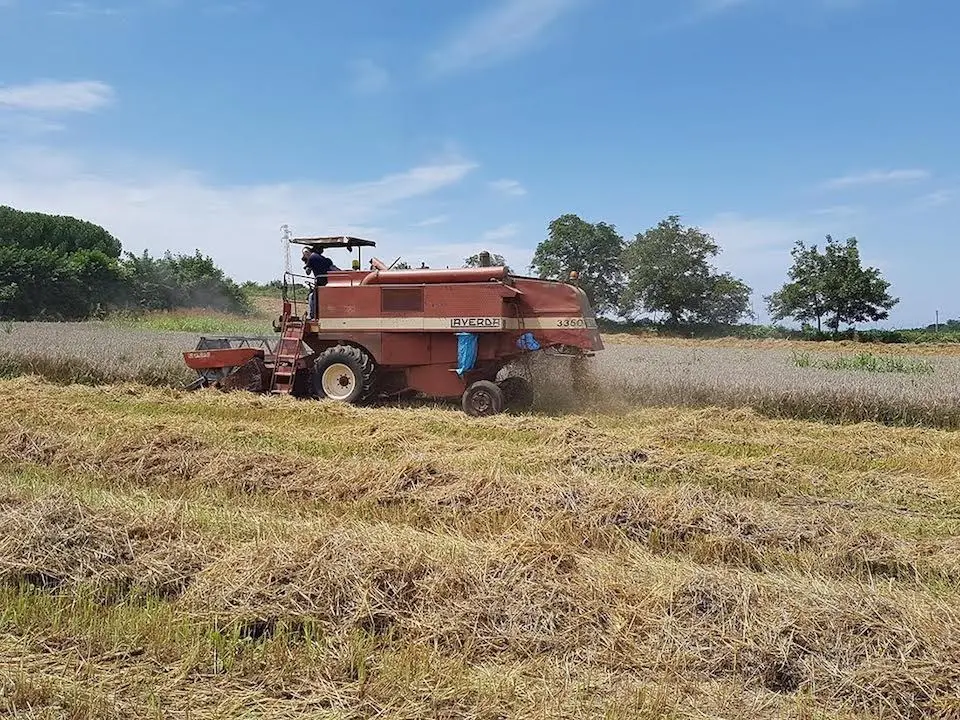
(521, 320)
(288, 353)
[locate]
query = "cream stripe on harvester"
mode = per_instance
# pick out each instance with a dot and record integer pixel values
(455, 324)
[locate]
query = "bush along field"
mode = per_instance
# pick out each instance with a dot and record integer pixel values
(165, 554)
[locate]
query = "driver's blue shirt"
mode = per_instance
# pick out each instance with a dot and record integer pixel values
(319, 264)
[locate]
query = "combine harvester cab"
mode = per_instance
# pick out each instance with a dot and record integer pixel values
(445, 334)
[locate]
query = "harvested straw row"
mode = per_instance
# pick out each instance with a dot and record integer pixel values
(527, 598)
(57, 541)
(583, 509)
(135, 660)
(355, 679)
(699, 444)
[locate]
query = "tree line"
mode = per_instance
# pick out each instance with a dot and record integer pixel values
(668, 270)
(62, 268)
(55, 267)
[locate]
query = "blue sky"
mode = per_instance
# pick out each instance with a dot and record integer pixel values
(439, 128)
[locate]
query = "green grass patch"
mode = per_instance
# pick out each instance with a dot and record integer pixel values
(142, 623)
(865, 362)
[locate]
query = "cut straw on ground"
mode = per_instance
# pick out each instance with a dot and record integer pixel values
(212, 553)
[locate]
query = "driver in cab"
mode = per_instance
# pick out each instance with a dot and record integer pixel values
(317, 264)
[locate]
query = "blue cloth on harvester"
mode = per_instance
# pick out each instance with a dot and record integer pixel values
(528, 342)
(466, 352)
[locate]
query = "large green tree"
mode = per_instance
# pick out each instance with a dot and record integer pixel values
(62, 234)
(668, 270)
(63, 268)
(804, 297)
(180, 280)
(55, 267)
(831, 284)
(592, 250)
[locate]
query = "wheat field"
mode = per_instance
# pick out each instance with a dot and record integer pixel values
(171, 554)
(631, 372)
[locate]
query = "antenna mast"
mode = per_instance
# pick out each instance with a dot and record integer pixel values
(285, 239)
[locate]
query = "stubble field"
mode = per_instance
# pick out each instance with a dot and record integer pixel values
(165, 553)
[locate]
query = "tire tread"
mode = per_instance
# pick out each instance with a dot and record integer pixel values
(360, 358)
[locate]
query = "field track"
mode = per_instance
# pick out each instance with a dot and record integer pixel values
(163, 551)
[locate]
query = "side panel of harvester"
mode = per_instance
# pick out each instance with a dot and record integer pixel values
(557, 314)
(411, 329)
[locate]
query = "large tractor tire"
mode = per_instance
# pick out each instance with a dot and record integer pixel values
(344, 373)
(482, 398)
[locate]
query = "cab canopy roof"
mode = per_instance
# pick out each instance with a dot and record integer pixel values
(334, 241)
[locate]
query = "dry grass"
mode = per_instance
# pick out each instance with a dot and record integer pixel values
(827, 346)
(762, 375)
(94, 353)
(272, 306)
(163, 552)
(702, 374)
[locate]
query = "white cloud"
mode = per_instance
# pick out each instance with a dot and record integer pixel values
(877, 177)
(838, 211)
(368, 77)
(239, 226)
(435, 220)
(439, 255)
(938, 198)
(741, 237)
(718, 6)
(508, 187)
(757, 249)
(507, 28)
(80, 9)
(20, 125)
(53, 96)
(504, 232)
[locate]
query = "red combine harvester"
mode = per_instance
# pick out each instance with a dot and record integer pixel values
(380, 333)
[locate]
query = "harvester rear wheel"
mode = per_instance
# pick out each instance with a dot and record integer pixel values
(517, 393)
(482, 398)
(343, 373)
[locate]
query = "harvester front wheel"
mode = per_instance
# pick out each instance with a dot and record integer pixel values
(482, 398)
(343, 373)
